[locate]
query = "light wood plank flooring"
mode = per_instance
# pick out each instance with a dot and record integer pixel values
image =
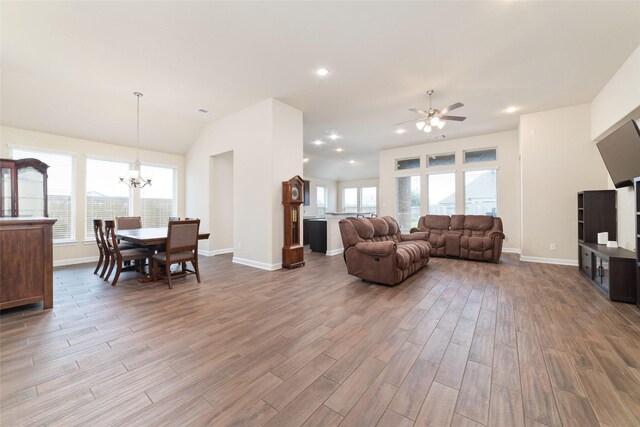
(460, 343)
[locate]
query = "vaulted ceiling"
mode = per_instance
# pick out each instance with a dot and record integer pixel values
(71, 68)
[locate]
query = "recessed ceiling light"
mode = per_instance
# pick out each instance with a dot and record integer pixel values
(318, 142)
(339, 150)
(400, 131)
(511, 109)
(352, 161)
(322, 71)
(306, 159)
(333, 135)
(203, 110)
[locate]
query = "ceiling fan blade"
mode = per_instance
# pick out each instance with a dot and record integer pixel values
(453, 118)
(451, 107)
(415, 110)
(409, 121)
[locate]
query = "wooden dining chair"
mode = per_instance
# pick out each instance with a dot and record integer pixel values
(105, 255)
(182, 247)
(128, 222)
(119, 256)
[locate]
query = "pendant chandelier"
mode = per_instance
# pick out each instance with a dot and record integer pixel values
(134, 178)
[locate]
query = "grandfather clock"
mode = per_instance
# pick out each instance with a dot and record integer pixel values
(292, 198)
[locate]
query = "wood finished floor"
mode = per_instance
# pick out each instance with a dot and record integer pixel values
(459, 343)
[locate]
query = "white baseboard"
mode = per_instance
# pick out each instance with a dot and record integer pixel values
(334, 252)
(512, 250)
(215, 252)
(257, 264)
(557, 261)
(73, 261)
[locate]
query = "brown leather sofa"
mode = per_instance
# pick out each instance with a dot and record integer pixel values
(376, 251)
(476, 237)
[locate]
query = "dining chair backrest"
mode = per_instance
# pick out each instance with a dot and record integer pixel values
(98, 230)
(128, 222)
(110, 236)
(182, 236)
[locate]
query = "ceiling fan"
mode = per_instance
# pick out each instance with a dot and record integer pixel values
(434, 117)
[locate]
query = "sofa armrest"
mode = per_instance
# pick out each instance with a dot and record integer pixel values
(377, 248)
(418, 235)
(495, 234)
(417, 230)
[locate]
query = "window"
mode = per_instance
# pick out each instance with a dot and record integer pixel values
(408, 163)
(442, 193)
(480, 192)
(350, 201)
(368, 199)
(60, 189)
(480, 156)
(157, 201)
(321, 201)
(408, 201)
(107, 198)
(441, 160)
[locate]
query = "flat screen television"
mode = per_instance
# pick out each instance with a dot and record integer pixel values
(621, 154)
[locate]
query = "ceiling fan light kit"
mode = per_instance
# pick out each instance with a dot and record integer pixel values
(434, 118)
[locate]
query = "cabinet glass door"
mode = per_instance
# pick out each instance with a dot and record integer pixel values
(5, 187)
(31, 192)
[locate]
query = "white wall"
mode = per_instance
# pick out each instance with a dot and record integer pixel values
(558, 159)
(332, 196)
(220, 205)
(506, 144)
(79, 250)
(266, 140)
(618, 102)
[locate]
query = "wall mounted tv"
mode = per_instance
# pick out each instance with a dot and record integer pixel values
(621, 154)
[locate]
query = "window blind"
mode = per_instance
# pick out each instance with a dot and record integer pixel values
(59, 187)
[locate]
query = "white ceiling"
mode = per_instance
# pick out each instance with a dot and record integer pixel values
(70, 68)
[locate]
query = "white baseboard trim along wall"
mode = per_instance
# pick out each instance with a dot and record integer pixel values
(557, 261)
(74, 261)
(215, 252)
(334, 252)
(257, 264)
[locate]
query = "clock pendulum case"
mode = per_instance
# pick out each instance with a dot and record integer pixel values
(292, 198)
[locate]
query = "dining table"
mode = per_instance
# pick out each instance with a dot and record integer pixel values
(150, 236)
(154, 238)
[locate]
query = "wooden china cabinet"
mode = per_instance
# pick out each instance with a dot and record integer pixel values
(26, 234)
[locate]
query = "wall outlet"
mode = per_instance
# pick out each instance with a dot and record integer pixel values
(553, 246)
(239, 245)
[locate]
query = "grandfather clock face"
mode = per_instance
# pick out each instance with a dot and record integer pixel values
(296, 193)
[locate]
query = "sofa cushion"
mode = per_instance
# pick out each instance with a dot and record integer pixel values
(438, 222)
(363, 227)
(412, 251)
(478, 222)
(457, 222)
(393, 225)
(380, 227)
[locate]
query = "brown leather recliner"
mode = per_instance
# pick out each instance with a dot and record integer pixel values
(476, 237)
(376, 251)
